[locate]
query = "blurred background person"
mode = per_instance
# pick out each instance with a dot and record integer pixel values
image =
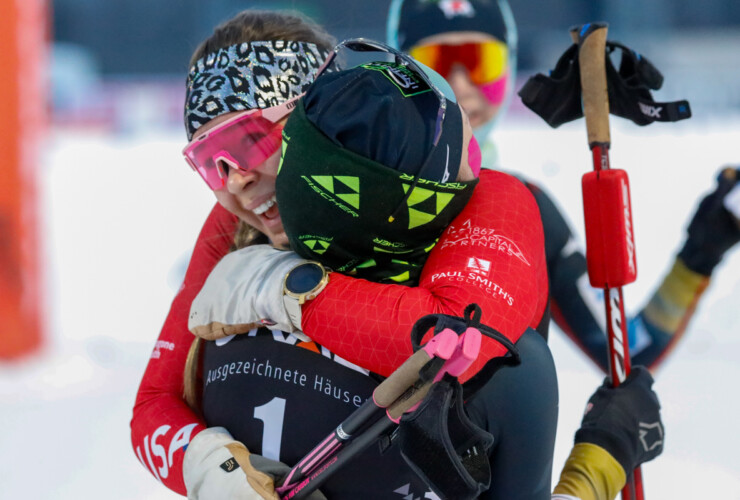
(473, 44)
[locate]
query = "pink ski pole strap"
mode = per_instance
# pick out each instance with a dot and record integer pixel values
(470, 319)
(438, 440)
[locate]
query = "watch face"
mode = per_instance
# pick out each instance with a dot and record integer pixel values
(304, 278)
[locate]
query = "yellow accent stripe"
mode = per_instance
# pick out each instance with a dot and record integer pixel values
(351, 182)
(591, 473)
(417, 218)
(326, 181)
(418, 195)
(675, 297)
(404, 276)
(350, 199)
(367, 263)
(404, 263)
(443, 199)
(391, 250)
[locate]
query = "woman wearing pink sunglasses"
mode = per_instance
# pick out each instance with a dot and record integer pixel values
(377, 163)
(163, 423)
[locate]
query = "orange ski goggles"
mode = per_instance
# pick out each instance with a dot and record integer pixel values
(485, 61)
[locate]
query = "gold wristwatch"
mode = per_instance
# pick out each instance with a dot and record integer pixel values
(303, 282)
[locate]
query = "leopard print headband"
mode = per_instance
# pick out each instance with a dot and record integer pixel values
(248, 76)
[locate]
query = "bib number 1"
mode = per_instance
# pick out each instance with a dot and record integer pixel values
(272, 415)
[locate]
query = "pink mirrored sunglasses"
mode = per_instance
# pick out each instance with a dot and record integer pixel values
(243, 142)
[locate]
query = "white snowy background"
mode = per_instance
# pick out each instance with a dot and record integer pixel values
(121, 212)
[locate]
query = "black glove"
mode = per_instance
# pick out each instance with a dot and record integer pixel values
(713, 229)
(625, 420)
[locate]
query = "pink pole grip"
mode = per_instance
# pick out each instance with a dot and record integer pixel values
(468, 347)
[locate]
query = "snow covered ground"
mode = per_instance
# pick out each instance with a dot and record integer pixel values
(121, 214)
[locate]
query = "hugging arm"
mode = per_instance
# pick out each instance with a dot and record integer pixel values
(491, 254)
(163, 424)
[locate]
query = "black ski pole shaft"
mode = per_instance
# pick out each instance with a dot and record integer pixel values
(396, 394)
(330, 466)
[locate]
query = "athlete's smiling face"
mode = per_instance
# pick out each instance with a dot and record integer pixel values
(250, 195)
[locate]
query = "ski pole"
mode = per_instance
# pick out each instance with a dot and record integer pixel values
(610, 248)
(401, 392)
(398, 383)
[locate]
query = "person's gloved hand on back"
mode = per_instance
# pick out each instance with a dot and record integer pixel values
(218, 467)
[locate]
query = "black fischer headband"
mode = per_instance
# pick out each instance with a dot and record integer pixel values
(335, 206)
(254, 75)
(557, 98)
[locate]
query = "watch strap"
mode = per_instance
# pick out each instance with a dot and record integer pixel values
(293, 308)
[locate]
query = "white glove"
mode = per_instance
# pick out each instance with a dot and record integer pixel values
(217, 467)
(244, 291)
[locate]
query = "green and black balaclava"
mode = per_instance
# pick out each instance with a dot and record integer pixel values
(354, 190)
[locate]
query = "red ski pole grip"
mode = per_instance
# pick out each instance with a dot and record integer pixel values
(610, 240)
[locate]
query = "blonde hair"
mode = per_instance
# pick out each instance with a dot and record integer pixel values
(248, 26)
